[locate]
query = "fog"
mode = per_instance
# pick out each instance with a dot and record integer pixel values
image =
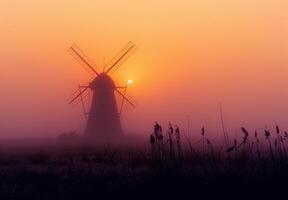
(191, 56)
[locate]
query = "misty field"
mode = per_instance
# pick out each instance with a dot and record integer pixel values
(168, 165)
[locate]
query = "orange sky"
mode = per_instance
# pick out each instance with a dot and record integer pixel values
(192, 55)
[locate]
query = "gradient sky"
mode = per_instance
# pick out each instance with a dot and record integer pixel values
(192, 55)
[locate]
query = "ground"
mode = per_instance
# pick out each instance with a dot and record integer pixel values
(84, 173)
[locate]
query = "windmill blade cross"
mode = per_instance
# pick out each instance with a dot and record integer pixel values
(122, 102)
(121, 57)
(125, 98)
(83, 85)
(78, 95)
(78, 100)
(130, 98)
(84, 60)
(82, 103)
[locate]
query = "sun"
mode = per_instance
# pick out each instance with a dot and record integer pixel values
(129, 82)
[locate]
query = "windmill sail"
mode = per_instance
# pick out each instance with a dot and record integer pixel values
(84, 60)
(121, 57)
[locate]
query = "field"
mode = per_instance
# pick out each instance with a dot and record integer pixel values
(167, 166)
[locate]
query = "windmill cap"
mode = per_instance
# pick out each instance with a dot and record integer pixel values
(103, 81)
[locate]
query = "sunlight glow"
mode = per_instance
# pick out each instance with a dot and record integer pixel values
(129, 82)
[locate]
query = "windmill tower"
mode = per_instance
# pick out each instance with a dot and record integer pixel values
(103, 119)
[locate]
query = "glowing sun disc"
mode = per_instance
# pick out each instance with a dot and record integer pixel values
(129, 82)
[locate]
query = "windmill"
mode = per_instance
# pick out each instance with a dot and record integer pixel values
(103, 118)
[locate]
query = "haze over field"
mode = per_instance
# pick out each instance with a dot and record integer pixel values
(192, 55)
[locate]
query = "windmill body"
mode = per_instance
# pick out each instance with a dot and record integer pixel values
(103, 121)
(103, 118)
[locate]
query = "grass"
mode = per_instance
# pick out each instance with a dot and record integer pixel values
(169, 164)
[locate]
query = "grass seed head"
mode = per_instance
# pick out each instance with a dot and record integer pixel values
(267, 133)
(277, 129)
(203, 131)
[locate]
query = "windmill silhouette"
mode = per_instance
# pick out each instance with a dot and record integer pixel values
(103, 119)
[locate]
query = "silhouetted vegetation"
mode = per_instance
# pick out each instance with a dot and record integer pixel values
(169, 163)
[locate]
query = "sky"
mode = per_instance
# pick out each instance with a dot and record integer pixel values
(192, 55)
